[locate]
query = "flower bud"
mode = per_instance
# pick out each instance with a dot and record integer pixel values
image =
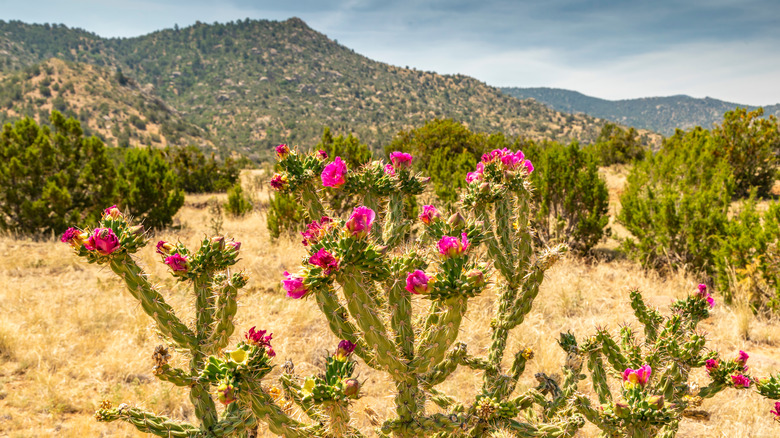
(282, 151)
(226, 393)
(278, 182)
(351, 388)
(456, 221)
(656, 401)
(75, 237)
(218, 243)
(234, 246)
(484, 187)
(103, 240)
(113, 212)
(476, 277)
(136, 230)
(622, 409)
(344, 350)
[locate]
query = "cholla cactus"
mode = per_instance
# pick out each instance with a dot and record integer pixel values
(232, 375)
(655, 393)
(378, 273)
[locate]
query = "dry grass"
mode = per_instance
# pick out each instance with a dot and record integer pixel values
(70, 336)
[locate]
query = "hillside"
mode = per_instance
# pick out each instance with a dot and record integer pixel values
(659, 114)
(107, 104)
(253, 84)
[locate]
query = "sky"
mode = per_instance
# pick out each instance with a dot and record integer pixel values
(612, 49)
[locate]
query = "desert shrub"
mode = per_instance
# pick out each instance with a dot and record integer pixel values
(676, 203)
(571, 197)
(616, 145)
(198, 174)
(750, 144)
(50, 177)
(238, 204)
(747, 259)
(285, 215)
(148, 187)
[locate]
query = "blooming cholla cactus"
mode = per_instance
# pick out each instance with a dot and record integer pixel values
(234, 376)
(378, 277)
(655, 394)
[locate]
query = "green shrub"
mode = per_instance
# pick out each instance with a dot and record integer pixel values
(149, 189)
(750, 144)
(50, 178)
(616, 145)
(285, 215)
(676, 203)
(748, 260)
(572, 199)
(198, 174)
(238, 204)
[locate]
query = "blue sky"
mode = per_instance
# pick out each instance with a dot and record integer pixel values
(726, 49)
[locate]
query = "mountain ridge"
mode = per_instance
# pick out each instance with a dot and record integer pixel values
(661, 114)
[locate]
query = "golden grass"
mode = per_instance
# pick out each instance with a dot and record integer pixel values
(70, 335)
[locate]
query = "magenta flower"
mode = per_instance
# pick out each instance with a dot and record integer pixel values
(401, 160)
(102, 240)
(278, 182)
(315, 230)
(74, 237)
(512, 161)
(742, 360)
(776, 411)
(164, 248)
(529, 167)
(260, 340)
(417, 282)
(702, 293)
(282, 150)
(632, 378)
(177, 262)
(452, 247)
(294, 286)
(344, 349)
(235, 246)
(324, 260)
(322, 154)
(711, 364)
(359, 224)
(477, 174)
(740, 381)
(389, 170)
(429, 214)
(334, 174)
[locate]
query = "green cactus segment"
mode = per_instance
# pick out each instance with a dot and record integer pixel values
(292, 390)
(504, 217)
(424, 426)
(599, 376)
(443, 369)
(152, 302)
(336, 416)
(444, 401)
(494, 250)
(525, 236)
(338, 320)
(176, 376)
(406, 399)
(362, 308)
(650, 318)
(311, 202)
(204, 307)
(710, 390)
(401, 316)
(612, 351)
(235, 421)
(203, 405)
(437, 339)
(395, 224)
(147, 422)
(226, 308)
(251, 396)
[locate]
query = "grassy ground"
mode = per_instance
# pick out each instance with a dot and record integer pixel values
(70, 336)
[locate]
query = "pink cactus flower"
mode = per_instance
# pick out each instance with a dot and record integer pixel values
(529, 167)
(235, 246)
(315, 230)
(711, 364)
(477, 174)
(324, 260)
(452, 247)
(294, 286)
(334, 174)
(344, 349)
(359, 224)
(278, 182)
(164, 248)
(417, 282)
(259, 339)
(776, 411)
(742, 360)
(322, 155)
(702, 293)
(389, 170)
(703, 290)
(632, 378)
(74, 237)
(177, 263)
(429, 214)
(282, 150)
(740, 381)
(102, 240)
(512, 161)
(401, 160)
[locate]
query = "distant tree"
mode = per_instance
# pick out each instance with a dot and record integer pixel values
(198, 174)
(149, 189)
(616, 145)
(52, 178)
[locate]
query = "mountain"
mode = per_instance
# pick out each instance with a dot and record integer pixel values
(659, 114)
(109, 105)
(253, 84)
